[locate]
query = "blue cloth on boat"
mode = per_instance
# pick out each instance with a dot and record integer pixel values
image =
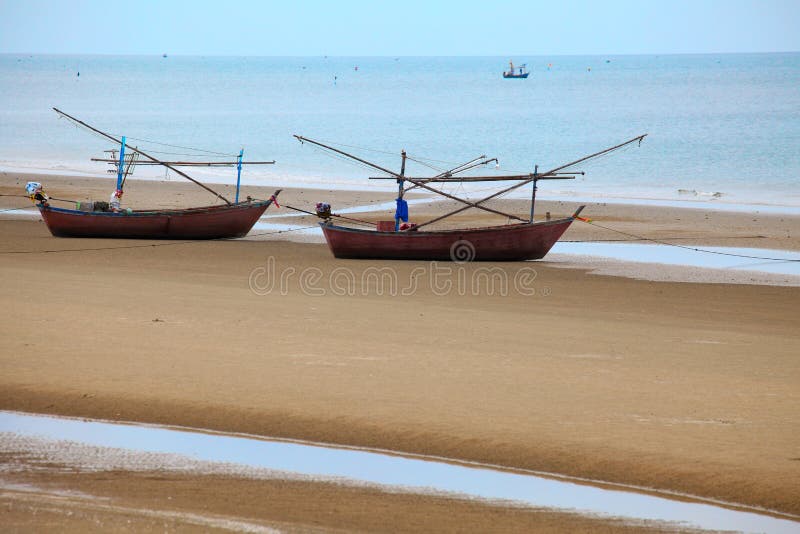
(402, 210)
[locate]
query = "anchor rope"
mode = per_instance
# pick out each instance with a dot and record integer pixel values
(153, 245)
(686, 247)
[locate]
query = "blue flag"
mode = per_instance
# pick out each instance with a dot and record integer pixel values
(402, 210)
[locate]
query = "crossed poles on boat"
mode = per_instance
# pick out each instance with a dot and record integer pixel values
(450, 176)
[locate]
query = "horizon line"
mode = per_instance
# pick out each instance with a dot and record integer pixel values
(596, 54)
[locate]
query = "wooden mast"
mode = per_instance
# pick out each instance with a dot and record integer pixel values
(170, 167)
(400, 189)
(533, 191)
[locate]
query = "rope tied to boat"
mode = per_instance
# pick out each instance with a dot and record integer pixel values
(326, 214)
(154, 245)
(686, 247)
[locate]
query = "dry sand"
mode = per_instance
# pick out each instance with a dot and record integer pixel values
(686, 387)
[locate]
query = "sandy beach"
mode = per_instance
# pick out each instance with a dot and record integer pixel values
(688, 387)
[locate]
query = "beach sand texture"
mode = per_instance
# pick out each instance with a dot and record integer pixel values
(688, 387)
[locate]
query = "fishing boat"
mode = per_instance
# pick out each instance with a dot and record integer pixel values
(109, 220)
(516, 72)
(526, 239)
(517, 242)
(208, 222)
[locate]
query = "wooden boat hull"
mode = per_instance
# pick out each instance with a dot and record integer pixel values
(526, 241)
(506, 75)
(209, 222)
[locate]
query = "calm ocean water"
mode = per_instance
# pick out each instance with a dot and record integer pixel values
(727, 124)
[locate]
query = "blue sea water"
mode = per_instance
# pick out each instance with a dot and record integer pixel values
(727, 123)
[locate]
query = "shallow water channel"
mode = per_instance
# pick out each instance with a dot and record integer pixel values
(412, 474)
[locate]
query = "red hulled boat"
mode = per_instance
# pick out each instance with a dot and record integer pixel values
(514, 242)
(110, 220)
(526, 240)
(209, 222)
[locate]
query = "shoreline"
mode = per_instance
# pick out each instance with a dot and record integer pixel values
(618, 225)
(320, 183)
(619, 211)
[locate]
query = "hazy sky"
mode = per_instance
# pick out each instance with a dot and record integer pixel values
(392, 28)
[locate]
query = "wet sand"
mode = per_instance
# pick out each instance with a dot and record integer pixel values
(143, 502)
(692, 388)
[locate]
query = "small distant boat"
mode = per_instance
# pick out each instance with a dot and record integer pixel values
(516, 72)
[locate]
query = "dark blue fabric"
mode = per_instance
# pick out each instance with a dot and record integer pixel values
(402, 210)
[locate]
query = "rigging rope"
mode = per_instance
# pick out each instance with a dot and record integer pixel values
(361, 148)
(333, 155)
(209, 152)
(421, 162)
(151, 151)
(351, 219)
(153, 245)
(686, 247)
(417, 159)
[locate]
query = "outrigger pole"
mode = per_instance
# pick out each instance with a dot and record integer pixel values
(446, 176)
(415, 181)
(549, 175)
(190, 163)
(151, 158)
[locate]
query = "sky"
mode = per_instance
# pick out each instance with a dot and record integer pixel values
(398, 28)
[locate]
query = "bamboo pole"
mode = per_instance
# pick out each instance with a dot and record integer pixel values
(191, 163)
(343, 153)
(415, 182)
(400, 190)
(471, 164)
(508, 178)
(467, 202)
(533, 190)
(176, 171)
(524, 182)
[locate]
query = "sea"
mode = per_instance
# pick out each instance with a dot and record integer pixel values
(722, 129)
